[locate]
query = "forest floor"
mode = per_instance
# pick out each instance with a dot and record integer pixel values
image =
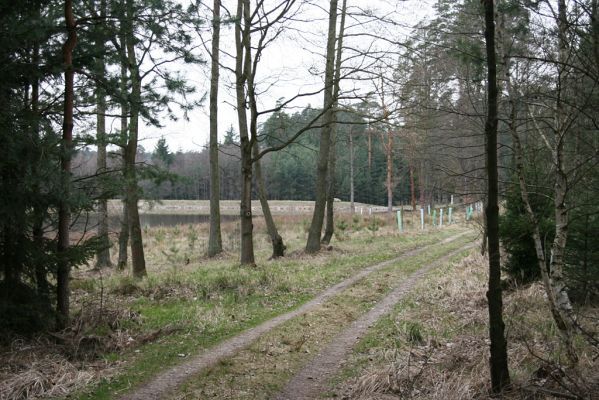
(379, 315)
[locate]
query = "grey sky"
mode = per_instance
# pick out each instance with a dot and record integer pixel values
(290, 65)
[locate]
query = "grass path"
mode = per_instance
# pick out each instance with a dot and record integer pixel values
(313, 380)
(168, 381)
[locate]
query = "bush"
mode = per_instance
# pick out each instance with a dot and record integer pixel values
(582, 256)
(515, 232)
(23, 311)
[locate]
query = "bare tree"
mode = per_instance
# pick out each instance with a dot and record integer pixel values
(330, 225)
(313, 242)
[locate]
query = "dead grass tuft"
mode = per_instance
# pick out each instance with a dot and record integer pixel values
(48, 377)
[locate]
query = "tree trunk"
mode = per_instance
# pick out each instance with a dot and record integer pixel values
(559, 319)
(500, 377)
(64, 214)
(41, 272)
(389, 182)
(123, 237)
(558, 247)
(352, 206)
(137, 252)
(412, 188)
(103, 254)
(595, 30)
(330, 206)
(278, 247)
(243, 64)
(313, 243)
(330, 224)
(215, 244)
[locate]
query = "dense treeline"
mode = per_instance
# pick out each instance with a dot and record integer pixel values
(289, 174)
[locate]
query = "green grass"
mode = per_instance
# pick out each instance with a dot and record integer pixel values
(211, 300)
(261, 370)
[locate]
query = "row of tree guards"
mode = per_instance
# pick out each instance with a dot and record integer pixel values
(437, 216)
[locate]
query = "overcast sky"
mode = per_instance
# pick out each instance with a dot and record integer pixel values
(291, 65)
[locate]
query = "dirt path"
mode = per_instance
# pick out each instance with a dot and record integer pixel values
(313, 380)
(174, 377)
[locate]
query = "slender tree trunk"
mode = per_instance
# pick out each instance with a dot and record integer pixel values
(595, 30)
(41, 273)
(278, 247)
(124, 233)
(558, 247)
(215, 244)
(103, 254)
(560, 320)
(330, 205)
(412, 188)
(351, 172)
(123, 237)
(243, 64)
(313, 243)
(330, 224)
(389, 183)
(369, 150)
(64, 214)
(421, 185)
(500, 377)
(137, 252)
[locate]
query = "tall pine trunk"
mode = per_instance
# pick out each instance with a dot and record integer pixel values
(352, 206)
(132, 192)
(64, 214)
(124, 232)
(500, 377)
(215, 244)
(313, 243)
(103, 254)
(389, 180)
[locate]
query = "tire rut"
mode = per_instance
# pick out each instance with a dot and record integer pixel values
(167, 381)
(313, 380)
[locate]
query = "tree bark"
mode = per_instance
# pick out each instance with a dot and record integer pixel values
(215, 244)
(313, 243)
(330, 224)
(558, 247)
(41, 273)
(123, 237)
(352, 206)
(500, 377)
(412, 188)
(389, 180)
(64, 214)
(242, 72)
(137, 252)
(124, 233)
(278, 247)
(103, 254)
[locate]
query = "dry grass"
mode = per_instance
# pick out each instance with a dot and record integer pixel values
(38, 369)
(435, 345)
(187, 301)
